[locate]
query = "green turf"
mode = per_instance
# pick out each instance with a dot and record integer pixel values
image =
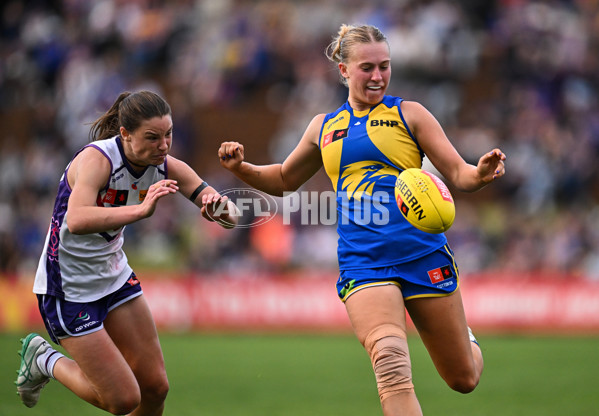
(297, 375)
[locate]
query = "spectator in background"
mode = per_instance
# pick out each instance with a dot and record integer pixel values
(529, 68)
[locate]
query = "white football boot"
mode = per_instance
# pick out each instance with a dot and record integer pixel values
(30, 380)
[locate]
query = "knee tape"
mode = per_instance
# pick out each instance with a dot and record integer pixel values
(388, 350)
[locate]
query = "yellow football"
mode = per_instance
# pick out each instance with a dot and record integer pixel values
(424, 200)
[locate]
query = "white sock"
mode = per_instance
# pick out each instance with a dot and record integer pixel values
(472, 338)
(47, 361)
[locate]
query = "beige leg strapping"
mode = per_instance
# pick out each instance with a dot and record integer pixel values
(388, 349)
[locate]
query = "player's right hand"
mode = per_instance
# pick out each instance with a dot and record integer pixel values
(231, 155)
(155, 192)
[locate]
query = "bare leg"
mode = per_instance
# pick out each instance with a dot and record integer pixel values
(120, 368)
(98, 373)
(369, 309)
(441, 322)
(138, 342)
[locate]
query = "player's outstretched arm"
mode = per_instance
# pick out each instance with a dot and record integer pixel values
(276, 179)
(443, 155)
(213, 206)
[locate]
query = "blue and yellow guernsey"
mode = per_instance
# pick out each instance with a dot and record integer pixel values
(363, 152)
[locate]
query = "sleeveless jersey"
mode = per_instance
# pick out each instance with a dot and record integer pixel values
(363, 152)
(84, 268)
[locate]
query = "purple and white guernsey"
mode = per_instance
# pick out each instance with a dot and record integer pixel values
(84, 268)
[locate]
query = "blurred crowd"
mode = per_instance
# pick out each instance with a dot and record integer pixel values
(517, 74)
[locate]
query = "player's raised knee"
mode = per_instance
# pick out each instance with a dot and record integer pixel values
(123, 399)
(156, 392)
(463, 384)
(124, 404)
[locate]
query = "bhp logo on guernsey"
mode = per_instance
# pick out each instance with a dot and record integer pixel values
(255, 208)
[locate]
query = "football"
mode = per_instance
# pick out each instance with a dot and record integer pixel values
(424, 200)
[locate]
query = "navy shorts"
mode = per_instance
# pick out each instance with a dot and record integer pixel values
(65, 319)
(435, 274)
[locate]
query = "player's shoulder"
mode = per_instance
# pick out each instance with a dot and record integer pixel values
(92, 154)
(312, 132)
(317, 120)
(415, 108)
(178, 169)
(415, 113)
(106, 149)
(174, 162)
(315, 125)
(89, 163)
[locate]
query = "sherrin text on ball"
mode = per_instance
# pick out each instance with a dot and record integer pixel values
(424, 200)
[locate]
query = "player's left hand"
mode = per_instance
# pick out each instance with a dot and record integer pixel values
(218, 208)
(491, 165)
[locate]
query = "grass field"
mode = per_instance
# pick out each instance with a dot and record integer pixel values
(319, 375)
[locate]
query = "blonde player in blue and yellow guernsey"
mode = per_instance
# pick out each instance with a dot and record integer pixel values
(386, 264)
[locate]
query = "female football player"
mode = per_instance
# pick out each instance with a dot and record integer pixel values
(90, 299)
(385, 267)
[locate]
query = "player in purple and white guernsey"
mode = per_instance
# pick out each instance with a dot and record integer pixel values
(61, 271)
(89, 297)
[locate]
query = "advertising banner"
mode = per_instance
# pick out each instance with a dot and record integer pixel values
(311, 304)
